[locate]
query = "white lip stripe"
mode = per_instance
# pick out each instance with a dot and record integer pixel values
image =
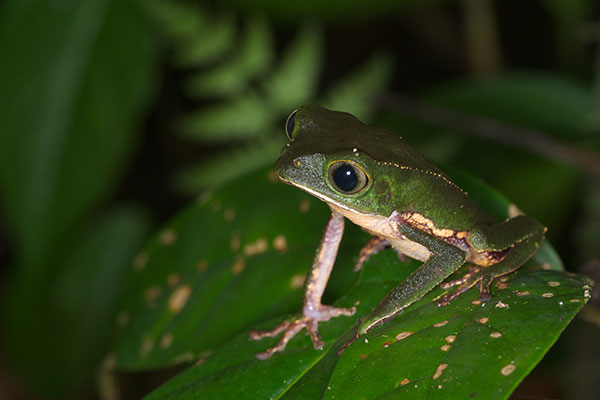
(327, 199)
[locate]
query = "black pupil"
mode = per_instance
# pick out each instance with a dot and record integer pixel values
(290, 124)
(345, 178)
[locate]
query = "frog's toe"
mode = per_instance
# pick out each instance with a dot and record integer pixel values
(484, 288)
(463, 284)
(477, 276)
(313, 333)
(290, 331)
(257, 335)
(327, 312)
(310, 320)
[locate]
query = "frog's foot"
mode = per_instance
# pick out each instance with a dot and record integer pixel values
(475, 276)
(290, 328)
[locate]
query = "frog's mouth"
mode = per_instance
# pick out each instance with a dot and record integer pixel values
(324, 198)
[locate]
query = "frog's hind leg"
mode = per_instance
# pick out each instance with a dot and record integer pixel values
(511, 259)
(375, 245)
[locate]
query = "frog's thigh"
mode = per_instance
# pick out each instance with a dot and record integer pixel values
(503, 235)
(517, 256)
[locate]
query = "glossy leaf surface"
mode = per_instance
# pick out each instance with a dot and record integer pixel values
(240, 257)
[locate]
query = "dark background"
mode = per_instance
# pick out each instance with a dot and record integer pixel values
(95, 152)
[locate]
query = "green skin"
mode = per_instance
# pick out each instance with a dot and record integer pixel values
(407, 203)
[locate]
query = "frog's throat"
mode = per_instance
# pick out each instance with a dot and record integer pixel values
(329, 200)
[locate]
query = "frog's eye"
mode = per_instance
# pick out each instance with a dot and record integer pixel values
(289, 124)
(347, 177)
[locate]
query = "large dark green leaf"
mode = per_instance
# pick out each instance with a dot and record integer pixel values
(73, 79)
(427, 352)
(221, 265)
(73, 83)
(190, 288)
(80, 307)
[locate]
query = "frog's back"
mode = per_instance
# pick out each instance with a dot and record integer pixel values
(416, 185)
(403, 179)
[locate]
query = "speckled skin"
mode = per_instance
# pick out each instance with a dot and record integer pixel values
(407, 202)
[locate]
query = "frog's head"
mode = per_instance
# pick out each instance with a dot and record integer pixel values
(336, 158)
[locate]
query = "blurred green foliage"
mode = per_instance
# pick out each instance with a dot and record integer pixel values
(252, 92)
(75, 83)
(116, 112)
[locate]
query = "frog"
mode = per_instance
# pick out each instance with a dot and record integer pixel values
(374, 178)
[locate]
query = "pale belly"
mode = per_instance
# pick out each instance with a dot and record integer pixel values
(380, 226)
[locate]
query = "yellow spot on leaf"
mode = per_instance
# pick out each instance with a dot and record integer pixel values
(403, 335)
(201, 265)
(173, 280)
(445, 347)
(229, 214)
(238, 266)
(439, 370)
(167, 237)
(280, 243)
(439, 324)
(524, 293)
(184, 357)
(151, 294)
(166, 340)
(450, 338)
(140, 260)
(404, 381)
(495, 334)
(553, 284)
(575, 300)
(476, 302)
(304, 206)
(548, 295)
(507, 370)
(297, 281)
(483, 320)
(235, 243)
(179, 298)
(146, 347)
(258, 247)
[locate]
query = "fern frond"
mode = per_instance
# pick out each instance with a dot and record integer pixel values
(252, 58)
(354, 94)
(199, 37)
(225, 167)
(295, 80)
(239, 119)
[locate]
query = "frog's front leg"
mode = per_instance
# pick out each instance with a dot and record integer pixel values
(443, 260)
(313, 311)
(498, 250)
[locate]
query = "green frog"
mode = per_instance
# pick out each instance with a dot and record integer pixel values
(374, 178)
